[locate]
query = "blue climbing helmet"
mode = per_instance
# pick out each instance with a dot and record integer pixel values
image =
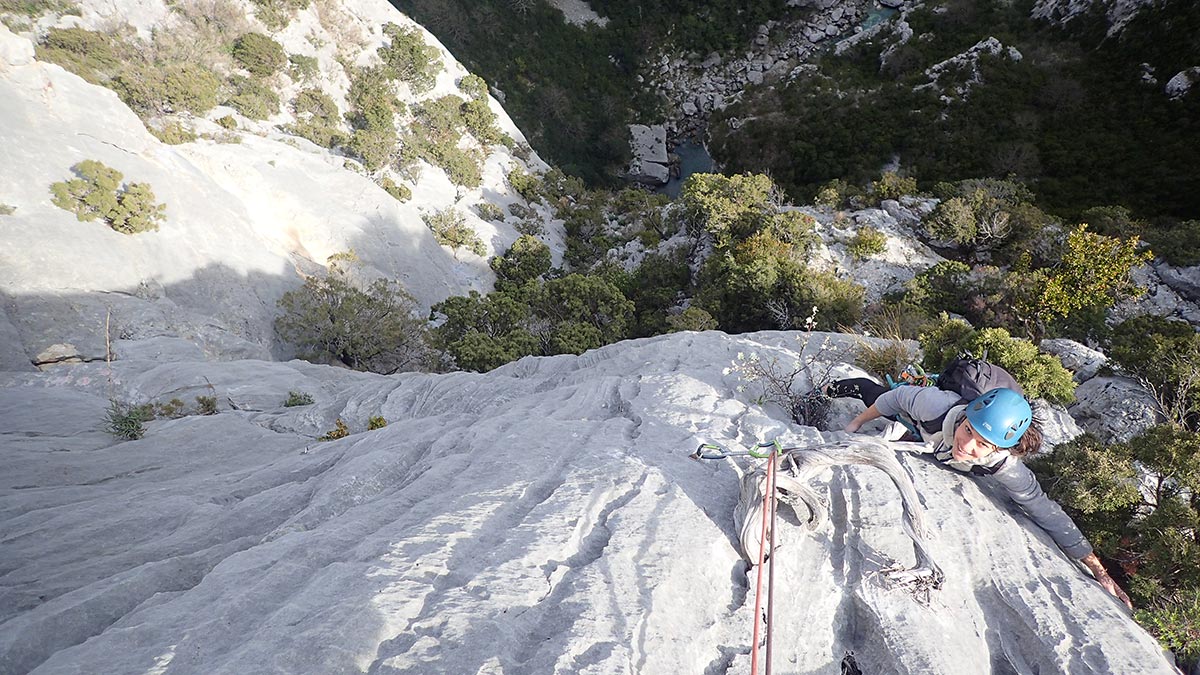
(1000, 416)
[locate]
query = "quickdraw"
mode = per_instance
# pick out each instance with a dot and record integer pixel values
(773, 451)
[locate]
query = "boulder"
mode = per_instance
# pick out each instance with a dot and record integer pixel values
(1179, 85)
(893, 4)
(1084, 362)
(1183, 280)
(1115, 409)
(649, 163)
(1056, 423)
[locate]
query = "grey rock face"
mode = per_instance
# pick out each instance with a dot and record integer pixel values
(1084, 362)
(1115, 409)
(649, 145)
(1056, 423)
(1179, 85)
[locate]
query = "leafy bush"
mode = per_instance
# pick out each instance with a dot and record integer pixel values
(1165, 356)
(298, 398)
(1095, 272)
(692, 318)
(7, 209)
(1175, 621)
(377, 422)
(303, 68)
(489, 211)
(228, 122)
(173, 133)
(450, 228)
(97, 194)
(1149, 532)
(149, 89)
(252, 98)
(893, 186)
(372, 328)
(96, 57)
(866, 243)
(407, 58)
(1177, 243)
(339, 430)
(259, 54)
(526, 260)
(943, 287)
(401, 193)
(473, 86)
(314, 104)
(435, 137)
(277, 14)
(1040, 375)
(526, 185)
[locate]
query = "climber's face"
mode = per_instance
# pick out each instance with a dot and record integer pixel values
(969, 445)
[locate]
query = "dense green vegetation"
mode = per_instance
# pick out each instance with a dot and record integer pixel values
(573, 90)
(1058, 118)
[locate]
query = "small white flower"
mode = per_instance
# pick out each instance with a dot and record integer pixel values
(726, 371)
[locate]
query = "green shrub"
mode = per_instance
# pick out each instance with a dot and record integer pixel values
(97, 194)
(407, 58)
(298, 398)
(376, 147)
(206, 405)
(7, 209)
(893, 186)
(252, 98)
(450, 228)
(943, 287)
(1040, 375)
(1165, 355)
(325, 136)
(331, 319)
(37, 8)
(866, 243)
(1175, 621)
(377, 422)
(1095, 272)
(526, 260)
(339, 430)
(172, 133)
(692, 318)
(526, 185)
(530, 226)
(259, 54)
(228, 122)
(401, 193)
(315, 105)
(473, 86)
(303, 68)
(1177, 243)
(96, 57)
(489, 211)
(277, 14)
(127, 421)
(150, 90)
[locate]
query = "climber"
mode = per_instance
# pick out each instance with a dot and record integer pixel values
(985, 437)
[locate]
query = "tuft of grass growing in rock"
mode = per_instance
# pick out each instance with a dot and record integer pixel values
(206, 405)
(127, 421)
(377, 422)
(297, 398)
(7, 209)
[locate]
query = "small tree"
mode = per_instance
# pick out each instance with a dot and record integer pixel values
(372, 328)
(524, 261)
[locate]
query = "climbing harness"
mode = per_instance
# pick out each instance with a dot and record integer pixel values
(774, 452)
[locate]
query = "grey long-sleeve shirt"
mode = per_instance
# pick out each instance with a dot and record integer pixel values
(919, 404)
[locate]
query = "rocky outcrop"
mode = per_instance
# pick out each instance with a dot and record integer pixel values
(650, 158)
(1160, 298)
(966, 62)
(1083, 362)
(246, 221)
(1117, 12)
(562, 513)
(1179, 85)
(696, 88)
(1115, 409)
